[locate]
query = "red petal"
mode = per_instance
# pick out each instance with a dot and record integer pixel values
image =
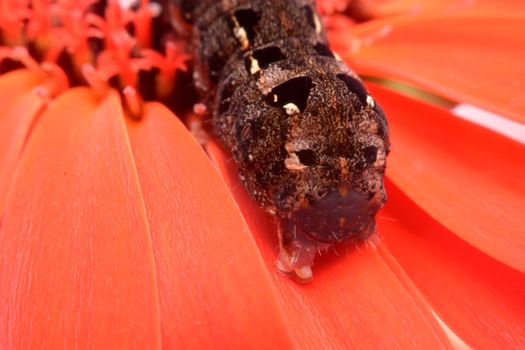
(383, 8)
(466, 177)
(76, 265)
(480, 299)
(355, 301)
(214, 288)
(20, 105)
(478, 60)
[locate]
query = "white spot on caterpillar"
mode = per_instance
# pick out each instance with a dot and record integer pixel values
(380, 158)
(275, 98)
(254, 66)
(317, 22)
(242, 36)
(293, 163)
(370, 101)
(291, 109)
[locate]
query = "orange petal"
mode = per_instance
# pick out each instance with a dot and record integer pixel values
(76, 265)
(355, 300)
(472, 59)
(480, 299)
(214, 288)
(466, 177)
(20, 106)
(384, 8)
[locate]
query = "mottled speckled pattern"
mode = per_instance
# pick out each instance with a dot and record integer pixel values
(309, 141)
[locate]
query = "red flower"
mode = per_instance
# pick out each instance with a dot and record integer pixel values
(120, 233)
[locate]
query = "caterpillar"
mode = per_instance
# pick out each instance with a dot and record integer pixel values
(309, 141)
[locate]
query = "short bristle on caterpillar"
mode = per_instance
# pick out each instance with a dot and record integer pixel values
(309, 141)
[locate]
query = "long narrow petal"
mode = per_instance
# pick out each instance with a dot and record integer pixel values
(382, 8)
(354, 302)
(76, 265)
(472, 59)
(214, 288)
(20, 105)
(479, 298)
(468, 178)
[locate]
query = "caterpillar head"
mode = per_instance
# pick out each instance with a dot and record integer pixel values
(313, 150)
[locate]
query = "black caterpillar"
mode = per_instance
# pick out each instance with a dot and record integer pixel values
(309, 141)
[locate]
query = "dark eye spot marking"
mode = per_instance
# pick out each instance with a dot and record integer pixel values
(370, 154)
(268, 55)
(262, 58)
(294, 91)
(306, 157)
(247, 19)
(355, 86)
(323, 50)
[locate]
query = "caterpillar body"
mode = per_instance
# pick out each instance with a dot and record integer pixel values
(309, 141)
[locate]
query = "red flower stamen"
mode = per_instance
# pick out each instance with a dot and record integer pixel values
(168, 64)
(133, 101)
(99, 47)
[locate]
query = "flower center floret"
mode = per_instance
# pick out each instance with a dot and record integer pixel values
(96, 43)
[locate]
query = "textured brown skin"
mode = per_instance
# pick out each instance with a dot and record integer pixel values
(341, 129)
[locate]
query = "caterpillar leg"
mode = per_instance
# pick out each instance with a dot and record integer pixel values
(297, 252)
